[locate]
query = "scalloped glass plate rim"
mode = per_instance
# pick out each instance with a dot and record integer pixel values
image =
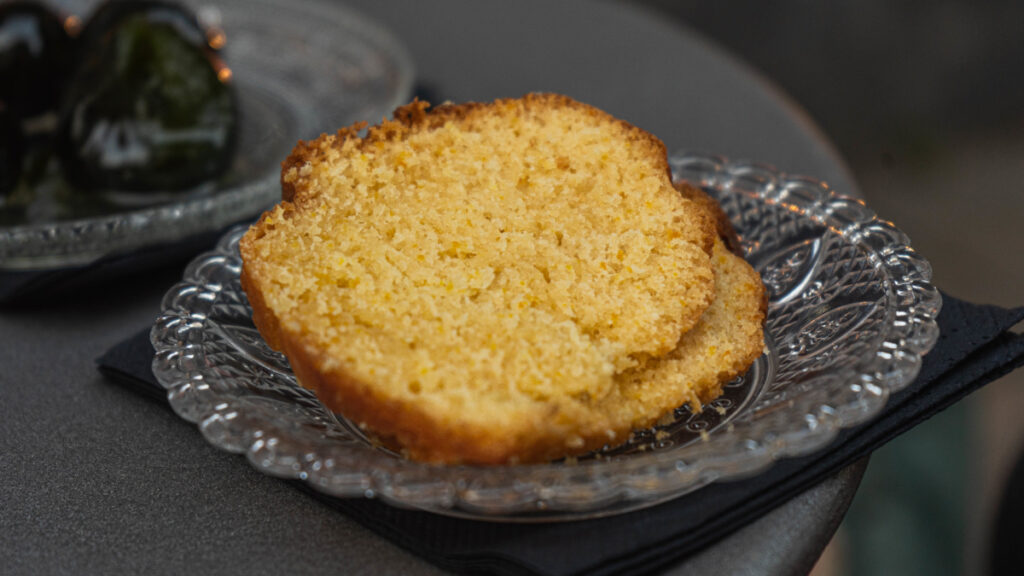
(601, 487)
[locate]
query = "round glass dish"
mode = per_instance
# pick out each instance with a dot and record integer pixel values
(299, 68)
(851, 313)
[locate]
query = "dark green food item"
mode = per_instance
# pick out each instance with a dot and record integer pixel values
(150, 107)
(35, 56)
(11, 151)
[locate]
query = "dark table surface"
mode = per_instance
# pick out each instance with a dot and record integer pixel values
(97, 479)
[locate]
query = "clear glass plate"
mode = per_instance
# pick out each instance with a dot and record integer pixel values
(299, 68)
(851, 313)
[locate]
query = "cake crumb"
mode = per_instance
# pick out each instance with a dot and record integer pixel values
(667, 420)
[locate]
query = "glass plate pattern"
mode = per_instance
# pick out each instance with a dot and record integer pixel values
(299, 67)
(851, 313)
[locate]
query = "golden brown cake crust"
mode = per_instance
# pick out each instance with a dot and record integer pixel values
(723, 226)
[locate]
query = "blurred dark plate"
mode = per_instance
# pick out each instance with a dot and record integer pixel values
(300, 68)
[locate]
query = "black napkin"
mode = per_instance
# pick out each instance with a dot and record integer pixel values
(975, 347)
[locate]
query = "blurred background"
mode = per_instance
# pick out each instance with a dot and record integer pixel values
(925, 101)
